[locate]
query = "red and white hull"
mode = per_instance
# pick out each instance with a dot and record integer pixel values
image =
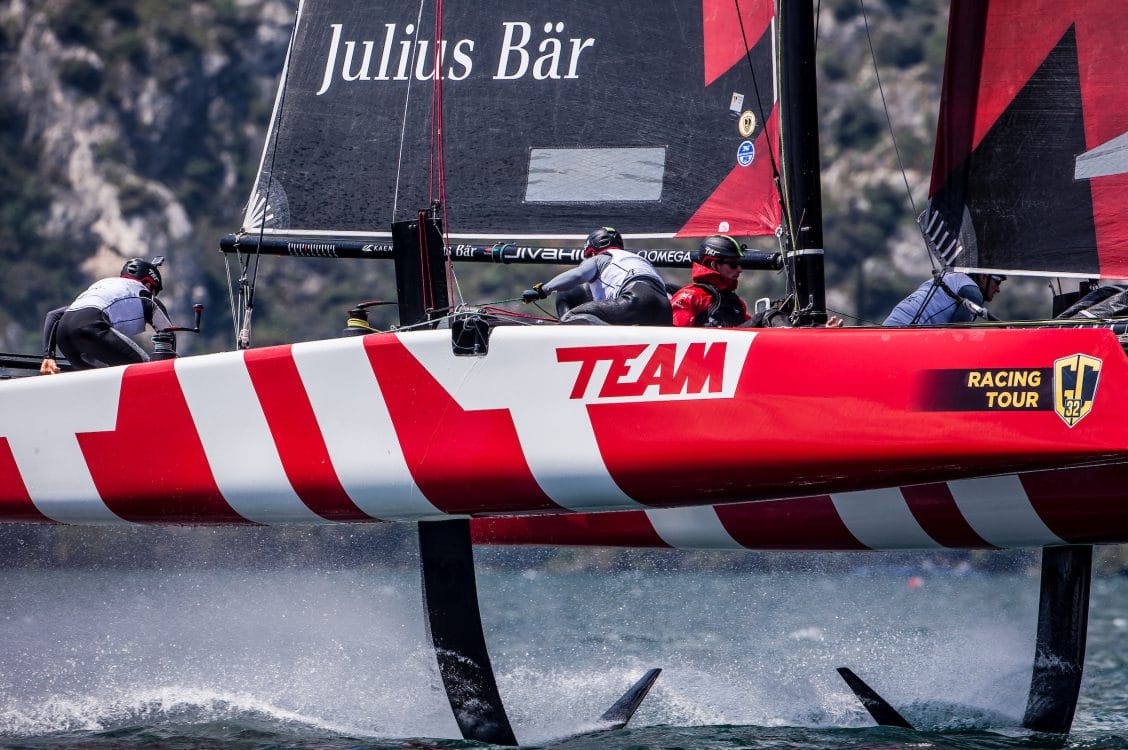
(1033, 509)
(571, 419)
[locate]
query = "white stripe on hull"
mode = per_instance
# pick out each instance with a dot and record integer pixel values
(691, 528)
(881, 519)
(40, 417)
(1000, 512)
(358, 429)
(570, 471)
(237, 440)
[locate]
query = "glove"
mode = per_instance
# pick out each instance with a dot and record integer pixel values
(531, 295)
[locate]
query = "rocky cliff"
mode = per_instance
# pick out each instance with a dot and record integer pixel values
(133, 127)
(128, 128)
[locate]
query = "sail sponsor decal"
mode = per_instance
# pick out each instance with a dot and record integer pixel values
(746, 125)
(745, 153)
(537, 51)
(547, 50)
(1068, 388)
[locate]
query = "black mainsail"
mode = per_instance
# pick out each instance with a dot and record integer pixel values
(652, 117)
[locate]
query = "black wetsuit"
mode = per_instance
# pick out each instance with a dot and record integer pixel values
(625, 287)
(94, 330)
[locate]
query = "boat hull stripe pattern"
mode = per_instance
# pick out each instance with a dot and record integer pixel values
(351, 412)
(905, 518)
(588, 418)
(999, 510)
(238, 442)
(54, 470)
(294, 427)
(695, 528)
(881, 519)
(935, 509)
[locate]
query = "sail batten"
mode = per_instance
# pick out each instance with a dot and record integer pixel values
(652, 118)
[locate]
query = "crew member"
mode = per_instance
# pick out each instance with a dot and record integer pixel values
(950, 298)
(710, 300)
(94, 330)
(625, 287)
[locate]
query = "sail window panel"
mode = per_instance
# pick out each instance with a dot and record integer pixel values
(1107, 159)
(595, 175)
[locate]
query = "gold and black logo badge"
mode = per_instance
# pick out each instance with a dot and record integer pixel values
(1075, 386)
(747, 123)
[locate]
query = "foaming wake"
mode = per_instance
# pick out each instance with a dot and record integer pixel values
(346, 651)
(152, 708)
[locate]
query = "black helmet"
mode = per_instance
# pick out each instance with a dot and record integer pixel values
(602, 239)
(144, 271)
(720, 246)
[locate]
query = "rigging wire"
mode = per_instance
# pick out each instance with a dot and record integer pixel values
(231, 297)
(787, 219)
(437, 173)
(755, 86)
(892, 134)
(775, 167)
(247, 286)
(406, 104)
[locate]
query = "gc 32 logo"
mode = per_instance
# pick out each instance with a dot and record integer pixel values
(1075, 386)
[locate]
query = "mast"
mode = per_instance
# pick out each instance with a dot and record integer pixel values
(802, 189)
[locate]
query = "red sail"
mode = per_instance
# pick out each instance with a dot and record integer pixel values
(1030, 155)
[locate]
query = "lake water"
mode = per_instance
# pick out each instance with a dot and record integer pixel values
(338, 658)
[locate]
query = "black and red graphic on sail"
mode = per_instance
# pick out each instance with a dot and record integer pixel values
(656, 118)
(1032, 143)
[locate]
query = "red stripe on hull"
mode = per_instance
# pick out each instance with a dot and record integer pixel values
(934, 508)
(155, 453)
(629, 528)
(449, 449)
(799, 524)
(15, 503)
(1082, 506)
(297, 436)
(837, 432)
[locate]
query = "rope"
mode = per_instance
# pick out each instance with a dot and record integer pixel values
(462, 311)
(787, 225)
(937, 281)
(855, 318)
(231, 298)
(437, 177)
(406, 103)
(755, 84)
(424, 266)
(247, 286)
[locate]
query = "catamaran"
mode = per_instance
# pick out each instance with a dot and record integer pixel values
(541, 125)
